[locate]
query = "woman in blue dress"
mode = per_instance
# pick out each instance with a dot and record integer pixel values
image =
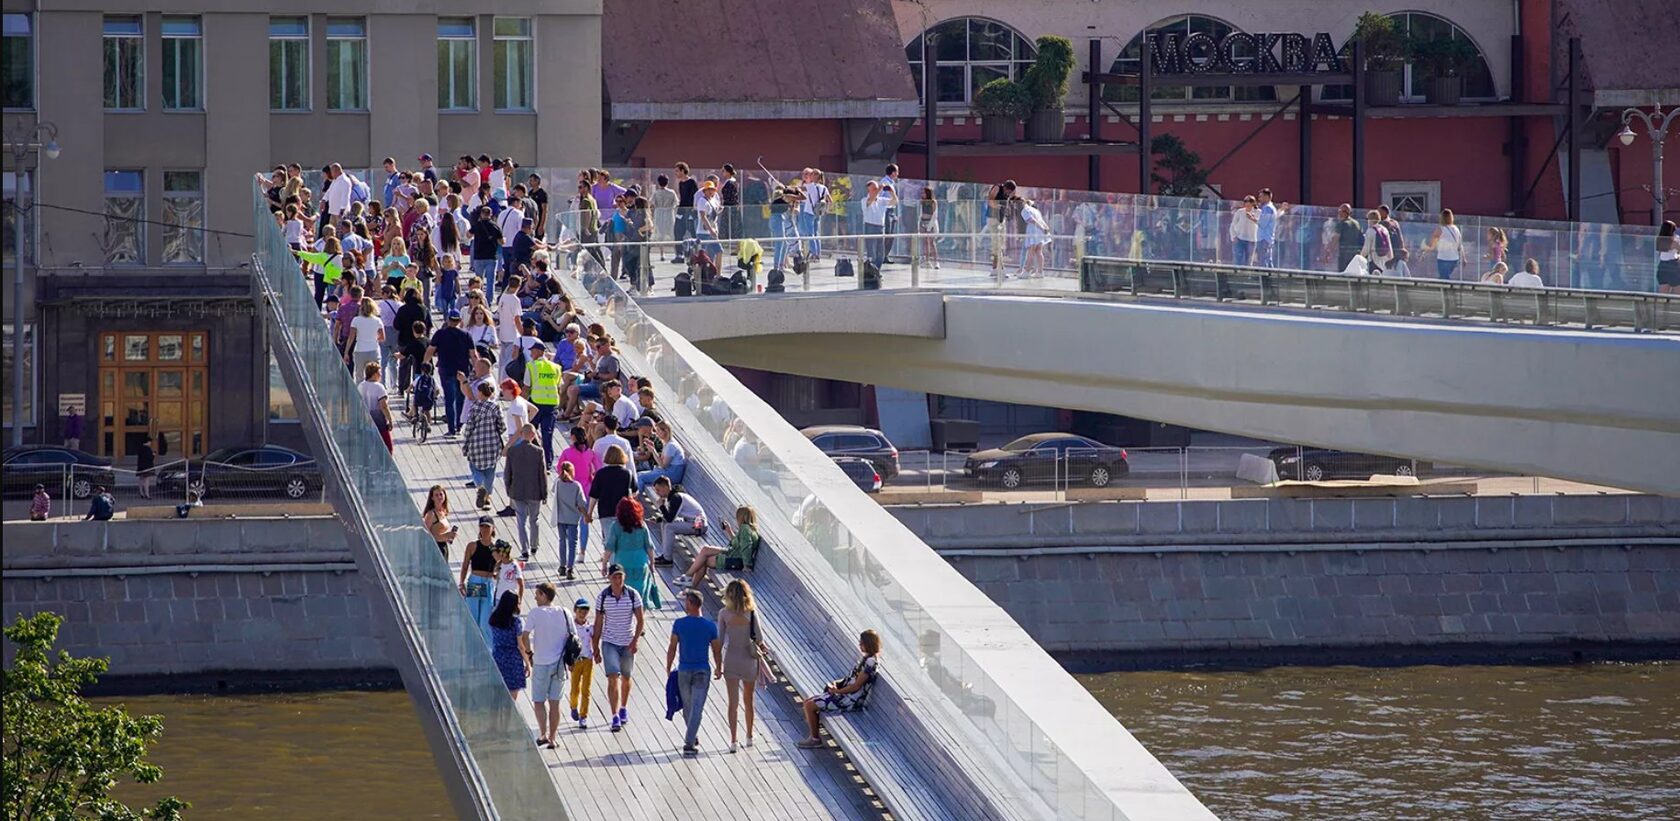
(509, 645)
(629, 545)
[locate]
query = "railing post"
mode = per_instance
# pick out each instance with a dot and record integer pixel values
(916, 261)
(996, 230)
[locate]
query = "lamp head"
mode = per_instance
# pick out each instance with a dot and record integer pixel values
(1625, 135)
(51, 149)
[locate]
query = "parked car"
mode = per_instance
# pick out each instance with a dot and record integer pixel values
(859, 442)
(259, 470)
(25, 467)
(1318, 464)
(861, 471)
(1048, 457)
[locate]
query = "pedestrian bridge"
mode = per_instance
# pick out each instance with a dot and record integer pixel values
(972, 719)
(1597, 406)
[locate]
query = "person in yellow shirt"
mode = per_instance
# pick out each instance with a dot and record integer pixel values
(542, 384)
(751, 260)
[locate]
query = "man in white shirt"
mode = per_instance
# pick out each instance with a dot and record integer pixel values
(811, 209)
(876, 203)
(890, 186)
(549, 627)
(337, 198)
(508, 310)
(509, 220)
(1528, 277)
(623, 408)
(682, 516)
(611, 438)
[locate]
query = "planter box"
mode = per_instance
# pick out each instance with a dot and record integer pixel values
(1382, 87)
(1444, 90)
(1046, 126)
(998, 130)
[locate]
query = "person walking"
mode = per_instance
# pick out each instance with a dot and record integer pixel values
(451, 350)
(542, 379)
(1447, 242)
(1668, 258)
(611, 484)
(366, 335)
(618, 631)
(691, 637)
(378, 401)
(550, 630)
(527, 487)
(848, 694)
(145, 465)
(743, 651)
(1348, 235)
(510, 644)
(681, 515)
(482, 442)
(570, 503)
(628, 544)
(583, 669)
(509, 310)
(478, 574)
(436, 519)
(40, 505)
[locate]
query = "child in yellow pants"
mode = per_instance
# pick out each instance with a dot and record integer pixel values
(584, 668)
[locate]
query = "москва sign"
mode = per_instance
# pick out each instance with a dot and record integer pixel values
(1242, 53)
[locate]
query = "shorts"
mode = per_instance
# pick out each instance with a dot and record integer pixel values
(1668, 272)
(616, 659)
(589, 390)
(548, 682)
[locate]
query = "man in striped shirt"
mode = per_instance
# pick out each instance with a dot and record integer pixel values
(618, 630)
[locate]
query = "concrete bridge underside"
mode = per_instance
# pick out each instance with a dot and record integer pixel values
(1596, 407)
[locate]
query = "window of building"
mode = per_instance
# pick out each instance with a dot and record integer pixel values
(183, 217)
(12, 180)
(280, 405)
(125, 213)
(183, 63)
(457, 63)
(10, 416)
(972, 51)
(1130, 61)
(288, 63)
(17, 62)
(514, 53)
(1478, 80)
(125, 63)
(347, 64)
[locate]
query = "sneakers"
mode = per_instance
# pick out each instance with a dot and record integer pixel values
(809, 743)
(663, 561)
(524, 555)
(617, 725)
(623, 715)
(583, 723)
(749, 741)
(483, 498)
(733, 747)
(690, 752)
(575, 716)
(506, 511)
(569, 574)
(684, 580)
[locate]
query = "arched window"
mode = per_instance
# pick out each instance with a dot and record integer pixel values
(1478, 80)
(972, 51)
(1130, 61)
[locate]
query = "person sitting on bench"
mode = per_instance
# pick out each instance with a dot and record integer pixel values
(848, 694)
(733, 557)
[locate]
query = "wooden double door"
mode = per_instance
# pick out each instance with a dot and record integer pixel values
(153, 385)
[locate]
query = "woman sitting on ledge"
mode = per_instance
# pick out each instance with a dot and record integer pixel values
(733, 557)
(848, 694)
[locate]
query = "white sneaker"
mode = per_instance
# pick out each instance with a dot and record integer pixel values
(684, 580)
(732, 747)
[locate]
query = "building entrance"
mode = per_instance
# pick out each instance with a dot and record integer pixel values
(152, 386)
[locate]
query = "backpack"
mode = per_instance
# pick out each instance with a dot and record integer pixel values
(799, 263)
(516, 365)
(871, 277)
(683, 285)
(1384, 246)
(776, 281)
(1394, 234)
(425, 392)
(703, 266)
(843, 268)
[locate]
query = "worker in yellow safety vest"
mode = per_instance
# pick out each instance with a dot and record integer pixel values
(542, 387)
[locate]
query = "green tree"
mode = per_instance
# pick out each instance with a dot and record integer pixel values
(1178, 171)
(63, 756)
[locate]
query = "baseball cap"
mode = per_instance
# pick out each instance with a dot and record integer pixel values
(538, 346)
(486, 520)
(583, 603)
(454, 314)
(425, 158)
(615, 569)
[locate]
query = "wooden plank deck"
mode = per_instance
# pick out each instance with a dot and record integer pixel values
(640, 773)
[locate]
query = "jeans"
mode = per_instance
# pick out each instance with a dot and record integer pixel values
(507, 263)
(713, 248)
(808, 230)
(1445, 268)
(453, 400)
(684, 226)
(1267, 250)
(876, 245)
(645, 478)
(445, 293)
(569, 541)
(527, 521)
(669, 531)
(479, 602)
(387, 350)
(485, 478)
(544, 420)
(1244, 249)
(485, 269)
(693, 684)
(781, 226)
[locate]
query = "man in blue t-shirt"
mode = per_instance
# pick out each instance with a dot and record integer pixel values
(451, 349)
(691, 636)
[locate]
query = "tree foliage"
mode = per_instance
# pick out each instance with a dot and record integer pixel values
(1177, 170)
(62, 755)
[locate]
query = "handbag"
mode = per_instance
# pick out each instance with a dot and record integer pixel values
(572, 652)
(766, 677)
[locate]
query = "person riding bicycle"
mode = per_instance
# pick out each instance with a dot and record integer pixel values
(422, 396)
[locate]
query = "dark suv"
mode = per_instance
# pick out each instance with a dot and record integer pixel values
(861, 442)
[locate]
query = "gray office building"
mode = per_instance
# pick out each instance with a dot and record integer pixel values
(137, 304)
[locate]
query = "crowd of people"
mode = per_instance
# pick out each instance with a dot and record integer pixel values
(510, 359)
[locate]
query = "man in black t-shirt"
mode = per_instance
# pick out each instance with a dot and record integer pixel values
(729, 196)
(687, 187)
(451, 349)
(539, 195)
(486, 247)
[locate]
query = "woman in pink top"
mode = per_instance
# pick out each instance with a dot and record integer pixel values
(584, 463)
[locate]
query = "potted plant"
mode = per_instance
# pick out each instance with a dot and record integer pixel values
(1001, 104)
(1443, 61)
(1047, 81)
(1384, 49)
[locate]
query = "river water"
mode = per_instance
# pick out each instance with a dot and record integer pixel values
(1579, 743)
(1584, 742)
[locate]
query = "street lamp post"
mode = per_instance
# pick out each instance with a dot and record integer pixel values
(1656, 125)
(21, 144)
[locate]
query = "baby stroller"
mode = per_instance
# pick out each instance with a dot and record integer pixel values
(422, 398)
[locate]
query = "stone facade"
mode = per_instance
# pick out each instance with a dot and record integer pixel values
(278, 597)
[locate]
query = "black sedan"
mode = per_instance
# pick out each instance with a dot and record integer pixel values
(259, 470)
(56, 467)
(1304, 464)
(1048, 457)
(861, 471)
